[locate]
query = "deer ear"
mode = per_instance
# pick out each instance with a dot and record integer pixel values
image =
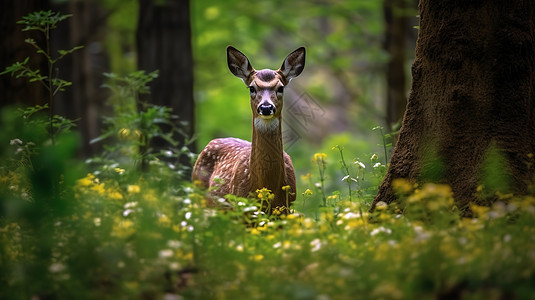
(238, 64)
(293, 65)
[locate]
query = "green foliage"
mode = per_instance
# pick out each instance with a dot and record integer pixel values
(136, 124)
(495, 174)
(115, 232)
(44, 21)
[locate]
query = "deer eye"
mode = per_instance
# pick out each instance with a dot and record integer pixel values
(252, 90)
(280, 89)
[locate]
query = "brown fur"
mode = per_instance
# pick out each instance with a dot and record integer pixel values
(234, 166)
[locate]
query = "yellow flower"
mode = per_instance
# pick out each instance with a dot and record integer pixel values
(133, 189)
(119, 170)
(123, 228)
(319, 157)
(286, 188)
(258, 257)
(254, 231)
(99, 188)
(114, 195)
(86, 181)
(307, 192)
(265, 194)
(164, 220)
(306, 177)
(401, 185)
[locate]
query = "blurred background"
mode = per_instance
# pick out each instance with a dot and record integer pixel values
(357, 73)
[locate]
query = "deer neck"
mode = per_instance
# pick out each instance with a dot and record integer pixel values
(267, 159)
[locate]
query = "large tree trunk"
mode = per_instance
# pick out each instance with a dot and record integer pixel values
(164, 44)
(473, 89)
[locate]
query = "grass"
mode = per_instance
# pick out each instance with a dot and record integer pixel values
(117, 233)
(107, 229)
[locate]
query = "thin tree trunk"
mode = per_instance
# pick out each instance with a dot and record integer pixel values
(473, 89)
(164, 44)
(397, 26)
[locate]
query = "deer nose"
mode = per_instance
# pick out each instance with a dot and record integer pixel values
(266, 109)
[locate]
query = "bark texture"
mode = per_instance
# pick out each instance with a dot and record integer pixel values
(472, 88)
(164, 44)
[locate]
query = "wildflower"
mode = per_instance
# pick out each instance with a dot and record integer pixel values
(132, 189)
(123, 228)
(378, 230)
(360, 164)
(307, 192)
(15, 142)
(56, 268)
(86, 181)
(315, 244)
(292, 216)
(119, 170)
(258, 257)
(265, 194)
(306, 177)
(320, 157)
(401, 185)
(286, 188)
(99, 188)
(164, 220)
(166, 253)
(374, 157)
(381, 205)
(114, 195)
(332, 197)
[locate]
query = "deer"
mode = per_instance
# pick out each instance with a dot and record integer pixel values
(238, 167)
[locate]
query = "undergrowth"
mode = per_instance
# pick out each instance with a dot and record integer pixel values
(105, 229)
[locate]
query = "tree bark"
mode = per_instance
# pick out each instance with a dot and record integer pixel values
(473, 89)
(164, 44)
(397, 26)
(84, 100)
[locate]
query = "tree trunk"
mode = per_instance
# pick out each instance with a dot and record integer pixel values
(472, 90)
(84, 100)
(397, 26)
(164, 44)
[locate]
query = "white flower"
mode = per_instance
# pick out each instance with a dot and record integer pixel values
(315, 244)
(127, 212)
(250, 208)
(377, 165)
(15, 142)
(56, 268)
(130, 204)
(174, 244)
(166, 253)
(351, 215)
(345, 178)
(376, 231)
(360, 164)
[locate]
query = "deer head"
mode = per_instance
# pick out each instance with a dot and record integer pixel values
(266, 86)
